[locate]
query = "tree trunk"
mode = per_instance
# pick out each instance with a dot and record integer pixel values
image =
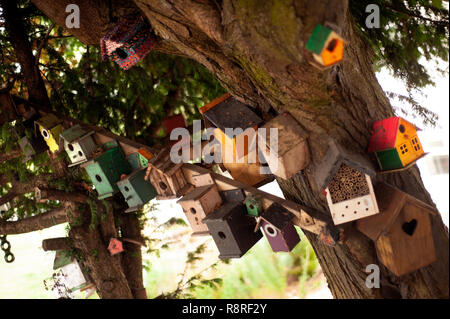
(256, 49)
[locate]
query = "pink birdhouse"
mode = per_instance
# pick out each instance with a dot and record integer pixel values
(115, 246)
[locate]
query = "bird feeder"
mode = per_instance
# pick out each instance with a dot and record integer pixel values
(166, 176)
(395, 143)
(290, 155)
(79, 144)
(346, 180)
(115, 246)
(401, 231)
(254, 204)
(326, 46)
(198, 204)
(136, 190)
(50, 128)
(139, 159)
(232, 230)
(128, 42)
(276, 223)
(105, 171)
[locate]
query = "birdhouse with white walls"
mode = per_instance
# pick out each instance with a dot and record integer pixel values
(291, 149)
(198, 204)
(136, 190)
(166, 176)
(401, 231)
(72, 277)
(106, 169)
(79, 144)
(232, 230)
(326, 46)
(50, 128)
(276, 223)
(128, 42)
(346, 180)
(395, 143)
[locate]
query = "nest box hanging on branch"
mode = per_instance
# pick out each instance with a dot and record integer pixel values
(128, 42)
(401, 231)
(292, 148)
(346, 180)
(79, 144)
(276, 222)
(326, 46)
(198, 204)
(139, 159)
(136, 190)
(395, 143)
(50, 128)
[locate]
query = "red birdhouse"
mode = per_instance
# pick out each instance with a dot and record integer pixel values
(115, 246)
(172, 122)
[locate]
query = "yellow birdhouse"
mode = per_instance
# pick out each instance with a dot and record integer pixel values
(50, 128)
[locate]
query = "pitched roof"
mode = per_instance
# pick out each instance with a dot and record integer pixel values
(384, 134)
(75, 133)
(277, 215)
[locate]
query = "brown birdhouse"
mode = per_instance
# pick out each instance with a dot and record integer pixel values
(292, 148)
(166, 176)
(198, 204)
(401, 231)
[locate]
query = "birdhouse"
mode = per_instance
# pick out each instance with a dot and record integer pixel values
(276, 223)
(139, 159)
(292, 154)
(136, 190)
(254, 204)
(50, 128)
(166, 176)
(346, 180)
(32, 146)
(72, 276)
(232, 230)
(128, 42)
(236, 195)
(172, 122)
(79, 144)
(401, 231)
(115, 246)
(395, 143)
(227, 114)
(105, 171)
(326, 46)
(199, 203)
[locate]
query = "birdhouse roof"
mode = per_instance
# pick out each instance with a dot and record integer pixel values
(163, 164)
(62, 258)
(172, 122)
(390, 201)
(385, 133)
(277, 215)
(334, 158)
(228, 112)
(224, 210)
(75, 133)
(317, 39)
(48, 121)
(196, 193)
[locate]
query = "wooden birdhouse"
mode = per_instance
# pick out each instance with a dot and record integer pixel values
(50, 128)
(79, 144)
(292, 154)
(276, 223)
(236, 195)
(198, 204)
(72, 276)
(105, 171)
(326, 46)
(401, 231)
(136, 190)
(254, 204)
(226, 112)
(395, 143)
(128, 42)
(139, 159)
(232, 230)
(166, 176)
(346, 180)
(32, 146)
(115, 246)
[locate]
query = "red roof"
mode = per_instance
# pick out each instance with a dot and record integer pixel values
(172, 122)
(384, 134)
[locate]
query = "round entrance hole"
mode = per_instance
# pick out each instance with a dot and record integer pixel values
(222, 235)
(121, 53)
(272, 232)
(126, 189)
(192, 210)
(163, 185)
(98, 178)
(44, 133)
(332, 45)
(401, 128)
(70, 147)
(80, 153)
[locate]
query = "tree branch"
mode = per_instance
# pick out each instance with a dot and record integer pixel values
(15, 153)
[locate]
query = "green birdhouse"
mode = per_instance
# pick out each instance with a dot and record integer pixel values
(254, 204)
(136, 190)
(139, 159)
(105, 171)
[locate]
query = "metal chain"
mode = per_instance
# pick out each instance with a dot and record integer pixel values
(5, 245)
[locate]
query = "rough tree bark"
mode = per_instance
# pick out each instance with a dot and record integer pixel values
(256, 49)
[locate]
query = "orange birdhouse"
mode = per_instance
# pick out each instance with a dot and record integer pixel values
(326, 46)
(395, 143)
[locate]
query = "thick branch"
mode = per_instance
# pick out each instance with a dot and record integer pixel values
(15, 153)
(61, 243)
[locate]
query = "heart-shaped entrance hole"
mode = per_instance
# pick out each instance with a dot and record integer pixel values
(410, 227)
